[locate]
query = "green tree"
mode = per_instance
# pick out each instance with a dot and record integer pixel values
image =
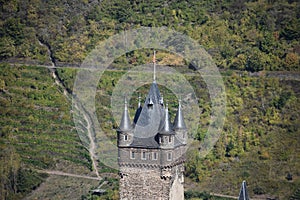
(2, 85)
(7, 48)
(256, 61)
(9, 167)
(292, 61)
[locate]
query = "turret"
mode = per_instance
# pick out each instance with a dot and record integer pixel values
(179, 125)
(243, 192)
(166, 134)
(125, 128)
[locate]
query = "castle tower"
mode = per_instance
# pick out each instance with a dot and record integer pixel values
(151, 151)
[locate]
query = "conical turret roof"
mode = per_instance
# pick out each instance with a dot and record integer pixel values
(179, 119)
(125, 123)
(243, 193)
(166, 127)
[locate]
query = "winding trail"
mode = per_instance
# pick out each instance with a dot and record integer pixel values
(78, 106)
(92, 143)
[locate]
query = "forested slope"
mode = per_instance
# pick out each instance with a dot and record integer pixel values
(244, 35)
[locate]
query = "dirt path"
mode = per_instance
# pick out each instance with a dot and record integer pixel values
(223, 195)
(92, 145)
(59, 82)
(60, 173)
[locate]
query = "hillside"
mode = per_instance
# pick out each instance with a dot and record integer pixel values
(259, 141)
(260, 137)
(37, 131)
(239, 34)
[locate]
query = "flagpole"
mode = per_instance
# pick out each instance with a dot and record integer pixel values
(154, 67)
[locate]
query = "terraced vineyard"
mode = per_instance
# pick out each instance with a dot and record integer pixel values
(36, 129)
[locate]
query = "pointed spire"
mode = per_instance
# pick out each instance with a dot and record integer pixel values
(125, 124)
(243, 193)
(179, 119)
(165, 126)
(139, 104)
(154, 67)
(138, 111)
(161, 100)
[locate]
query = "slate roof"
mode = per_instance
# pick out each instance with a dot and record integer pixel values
(125, 124)
(243, 193)
(137, 112)
(179, 119)
(177, 142)
(165, 126)
(150, 120)
(150, 143)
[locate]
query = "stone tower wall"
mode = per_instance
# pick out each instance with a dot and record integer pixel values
(161, 156)
(124, 156)
(121, 138)
(138, 183)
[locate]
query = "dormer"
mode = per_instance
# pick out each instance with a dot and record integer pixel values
(150, 102)
(161, 100)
